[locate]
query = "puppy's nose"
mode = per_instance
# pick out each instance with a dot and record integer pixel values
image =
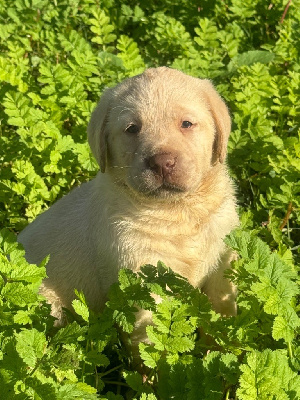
(162, 164)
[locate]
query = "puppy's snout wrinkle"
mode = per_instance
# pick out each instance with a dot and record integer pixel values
(162, 164)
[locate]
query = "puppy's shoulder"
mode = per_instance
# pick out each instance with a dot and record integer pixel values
(58, 224)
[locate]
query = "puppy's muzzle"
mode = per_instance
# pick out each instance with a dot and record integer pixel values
(163, 166)
(166, 172)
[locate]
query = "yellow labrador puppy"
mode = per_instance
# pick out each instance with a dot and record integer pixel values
(163, 193)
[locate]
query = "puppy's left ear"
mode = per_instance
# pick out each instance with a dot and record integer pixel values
(222, 120)
(97, 129)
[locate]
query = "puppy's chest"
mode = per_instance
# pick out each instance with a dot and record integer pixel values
(190, 249)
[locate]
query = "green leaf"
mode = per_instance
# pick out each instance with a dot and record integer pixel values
(96, 358)
(157, 339)
(22, 317)
(70, 334)
(81, 309)
(18, 294)
(285, 325)
(267, 375)
(149, 355)
(79, 390)
(249, 58)
(150, 396)
(30, 345)
(135, 381)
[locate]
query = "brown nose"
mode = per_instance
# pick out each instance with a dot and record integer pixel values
(162, 164)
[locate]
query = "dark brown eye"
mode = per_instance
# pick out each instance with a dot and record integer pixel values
(186, 124)
(132, 128)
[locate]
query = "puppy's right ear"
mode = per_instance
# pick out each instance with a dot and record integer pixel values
(220, 114)
(97, 129)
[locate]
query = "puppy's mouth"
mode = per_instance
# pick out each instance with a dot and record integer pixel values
(160, 188)
(166, 189)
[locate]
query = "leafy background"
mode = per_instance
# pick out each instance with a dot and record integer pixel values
(57, 57)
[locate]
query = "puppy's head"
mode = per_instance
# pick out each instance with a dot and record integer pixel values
(160, 132)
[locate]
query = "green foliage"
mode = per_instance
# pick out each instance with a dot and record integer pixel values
(265, 278)
(56, 59)
(36, 362)
(253, 354)
(267, 375)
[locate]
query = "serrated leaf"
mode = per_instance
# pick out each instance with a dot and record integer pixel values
(78, 390)
(149, 355)
(70, 334)
(285, 325)
(157, 339)
(134, 380)
(180, 344)
(30, 345)
(266, 375)
(22, 317)
(81, 309)
(23, 271)
(127, 278)
(96, 358)
(18, 294)
(125, 320)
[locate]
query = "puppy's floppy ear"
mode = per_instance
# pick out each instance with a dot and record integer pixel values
(97, 129)
(221, 118)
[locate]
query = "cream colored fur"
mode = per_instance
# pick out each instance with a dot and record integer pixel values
(122, 218)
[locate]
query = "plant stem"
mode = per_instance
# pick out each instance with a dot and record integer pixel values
(111, 370)
(287, 215)
(290, 349)
(227, 394)
(83, 366)
(115, 383)
(285, 11)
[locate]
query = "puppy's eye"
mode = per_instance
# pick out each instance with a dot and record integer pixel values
(186, 124)
(132, 128)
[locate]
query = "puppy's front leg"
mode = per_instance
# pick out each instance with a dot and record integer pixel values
(220, 290)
